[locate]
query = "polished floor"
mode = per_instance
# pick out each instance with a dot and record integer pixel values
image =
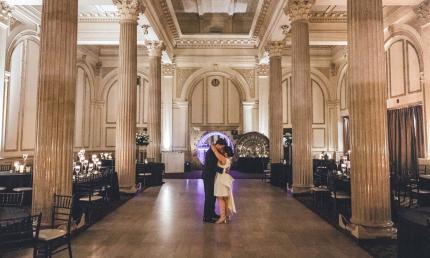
(166, 222)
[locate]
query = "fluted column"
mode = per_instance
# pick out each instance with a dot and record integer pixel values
(125, 150)
(154, 107)
(370, 184)
(56, 104)
(275, 101)
(423, 16)
(301, 100)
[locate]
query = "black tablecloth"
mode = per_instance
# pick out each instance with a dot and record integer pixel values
(280, 175)
(252, 165)
(155, 169)
(414, 233)
(12, 180)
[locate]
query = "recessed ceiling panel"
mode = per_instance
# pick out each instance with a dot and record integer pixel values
(215, 16)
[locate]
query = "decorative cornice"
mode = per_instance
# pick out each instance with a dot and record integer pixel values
(154, 47)
(168, 69)
(328, 17)
(275, 48)
(169, 19)
(423, 12)
(215, 43)
(5, 12)
(299, 10)
(261, 17)
(129, 10)
(98, 17)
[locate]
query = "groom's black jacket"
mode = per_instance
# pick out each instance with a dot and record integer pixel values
(211, 166)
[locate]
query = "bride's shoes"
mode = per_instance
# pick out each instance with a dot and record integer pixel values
(221, 221)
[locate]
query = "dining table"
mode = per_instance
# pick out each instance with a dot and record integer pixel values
(12, 213)
(12, 179)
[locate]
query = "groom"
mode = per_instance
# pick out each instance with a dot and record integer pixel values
(208, 175)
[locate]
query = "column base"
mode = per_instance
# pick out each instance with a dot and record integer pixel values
(365, 232)
(301, 189)
(128, 190)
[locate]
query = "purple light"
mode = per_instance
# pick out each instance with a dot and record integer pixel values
(202, 147)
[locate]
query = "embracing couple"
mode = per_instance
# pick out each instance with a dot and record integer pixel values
(218, 183)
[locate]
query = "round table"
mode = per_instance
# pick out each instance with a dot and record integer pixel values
(12, 213)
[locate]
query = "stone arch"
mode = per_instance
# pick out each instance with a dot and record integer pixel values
(20, 37)
(90, 73)
(320, 78)
(236, 77)
(111, 78)
(403, 31)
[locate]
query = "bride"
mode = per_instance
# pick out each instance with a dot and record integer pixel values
(223, 189)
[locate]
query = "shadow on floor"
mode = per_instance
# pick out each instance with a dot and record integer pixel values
(381, 248)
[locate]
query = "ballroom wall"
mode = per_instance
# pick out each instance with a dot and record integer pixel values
(190, 103)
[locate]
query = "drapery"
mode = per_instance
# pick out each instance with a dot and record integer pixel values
(346, 137)
(405, 139)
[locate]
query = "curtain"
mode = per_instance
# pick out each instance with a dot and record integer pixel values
(405, 139)
(346, 137)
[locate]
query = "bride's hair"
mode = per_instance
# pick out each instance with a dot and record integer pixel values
(229, 151)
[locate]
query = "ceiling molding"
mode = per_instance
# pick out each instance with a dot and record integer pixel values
(216, 43)
(328, 17)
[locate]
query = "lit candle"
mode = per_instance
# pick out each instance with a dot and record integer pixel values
(21, 168)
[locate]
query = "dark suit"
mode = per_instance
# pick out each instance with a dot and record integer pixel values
(208, 175)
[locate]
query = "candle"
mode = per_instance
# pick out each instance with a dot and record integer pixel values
(21, 168)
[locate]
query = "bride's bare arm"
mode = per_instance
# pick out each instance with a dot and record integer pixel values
(221, 158)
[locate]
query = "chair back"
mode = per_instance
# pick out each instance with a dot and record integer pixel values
(11, 199)
(5, 167)
(62, 212)
(19, 232)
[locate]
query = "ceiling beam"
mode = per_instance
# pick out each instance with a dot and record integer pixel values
(39, 2)
(317, 2)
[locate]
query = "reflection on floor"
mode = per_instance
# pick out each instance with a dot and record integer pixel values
(197, 174)
(166, 222)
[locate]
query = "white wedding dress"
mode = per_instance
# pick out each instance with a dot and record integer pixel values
(224, 185)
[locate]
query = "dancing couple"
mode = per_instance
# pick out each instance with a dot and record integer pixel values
(218, 183)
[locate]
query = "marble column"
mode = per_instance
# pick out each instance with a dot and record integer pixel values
(56, 104)
(154, 104)
(370, 184)
(301, 100)
(423, 15)
(125, 150)
(275, 102)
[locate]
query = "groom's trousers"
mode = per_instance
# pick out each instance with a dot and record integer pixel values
(209, 211)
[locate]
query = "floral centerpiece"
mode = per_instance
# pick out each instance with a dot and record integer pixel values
(142, 139)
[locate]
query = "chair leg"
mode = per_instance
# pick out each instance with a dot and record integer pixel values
(70, 248)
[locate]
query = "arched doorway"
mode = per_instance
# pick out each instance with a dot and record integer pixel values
(205, 142)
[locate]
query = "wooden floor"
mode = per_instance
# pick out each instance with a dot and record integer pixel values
(166, 222)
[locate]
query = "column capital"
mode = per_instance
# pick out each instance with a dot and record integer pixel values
(275, 48)
(5, 12)
(168, 69)
(263, 69)
(299, 10)
(154, 47)
(422, 12)
(129, 10)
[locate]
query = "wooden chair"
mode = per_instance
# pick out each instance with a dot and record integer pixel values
(11, 199)
(88, 190)
(265, 177)
(320, 191)
(5, 167)
(55, 238)
(19, 232)
(339, 197)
